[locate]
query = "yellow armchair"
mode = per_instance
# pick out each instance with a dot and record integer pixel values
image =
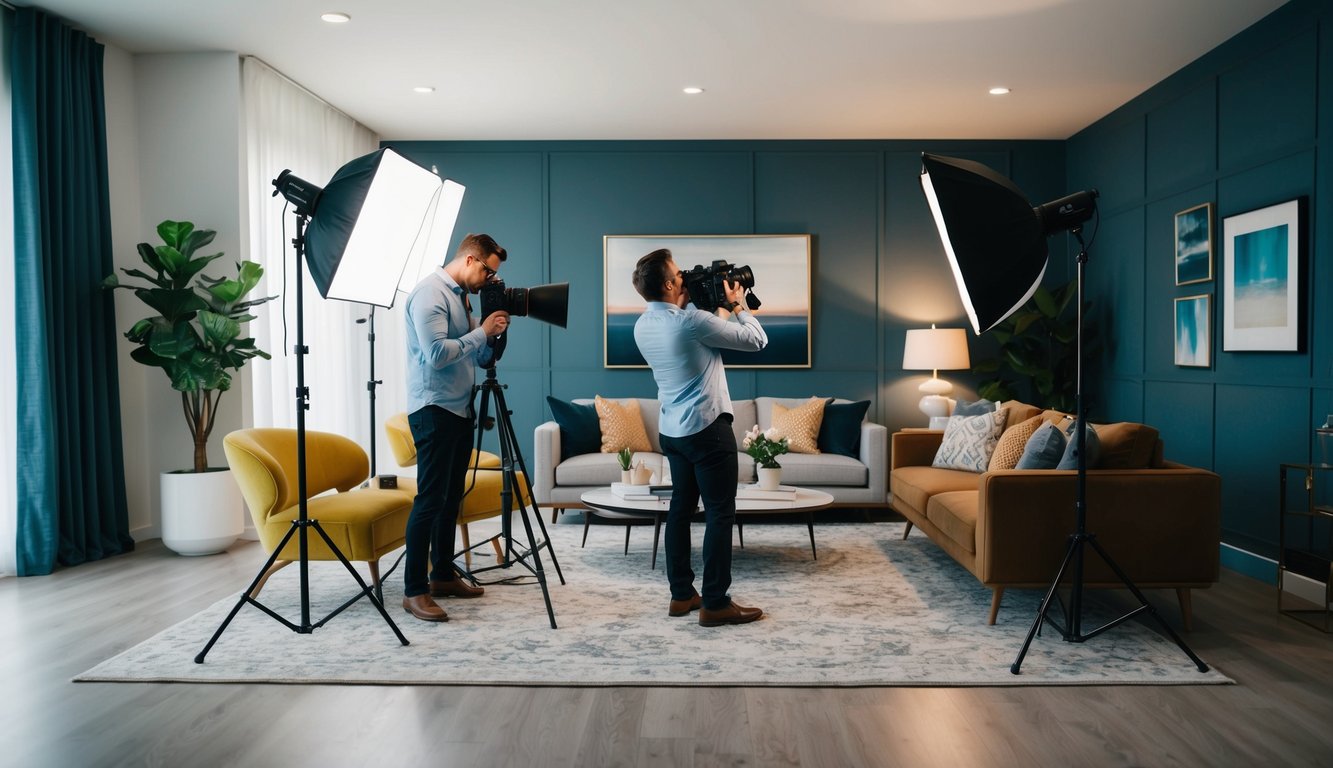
(365, 524)
(483, 477)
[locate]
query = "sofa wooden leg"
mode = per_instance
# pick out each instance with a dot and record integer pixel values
(907, 530)
(1186, 608)
(555, 512)
(996, 595)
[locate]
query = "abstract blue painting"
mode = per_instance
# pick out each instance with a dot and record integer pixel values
(1194, 337)
(1262, 289)
(1194, 245)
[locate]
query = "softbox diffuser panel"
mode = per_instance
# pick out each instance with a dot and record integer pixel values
(432, 248)
(994, 241)
(369, 218)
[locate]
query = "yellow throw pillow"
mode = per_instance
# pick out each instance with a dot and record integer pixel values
(800, 424)
(1010, 448)
(622, 425)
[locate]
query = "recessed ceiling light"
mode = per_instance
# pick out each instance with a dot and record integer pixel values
(692, 90)
(336, 18)
(424, 89)
(999, 90)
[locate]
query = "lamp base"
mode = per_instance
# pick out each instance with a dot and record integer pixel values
(936, 405)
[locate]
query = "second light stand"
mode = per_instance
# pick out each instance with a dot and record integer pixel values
(1080, 540)
(371, 383)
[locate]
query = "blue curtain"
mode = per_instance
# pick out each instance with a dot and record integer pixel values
(71, 479)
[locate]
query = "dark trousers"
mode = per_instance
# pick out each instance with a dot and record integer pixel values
(702, 465)
(444, 444)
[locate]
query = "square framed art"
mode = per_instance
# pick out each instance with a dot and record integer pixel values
(1194, 245)
(1194, 331)
(1262, 290)
(782, 280)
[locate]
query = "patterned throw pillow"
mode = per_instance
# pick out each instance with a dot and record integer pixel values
(622, 425)
(969, 442)
(800, 424)
(1010, 448)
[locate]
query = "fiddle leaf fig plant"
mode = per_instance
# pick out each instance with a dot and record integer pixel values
(195, 337)
(1039, 349)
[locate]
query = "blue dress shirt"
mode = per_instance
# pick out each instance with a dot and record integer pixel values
(444, 346)
(683, 346)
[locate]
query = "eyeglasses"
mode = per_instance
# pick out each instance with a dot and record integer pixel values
(489, 272)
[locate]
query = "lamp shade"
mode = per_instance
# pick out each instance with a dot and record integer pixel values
(376, 214)
(936, 349)
(992, 236)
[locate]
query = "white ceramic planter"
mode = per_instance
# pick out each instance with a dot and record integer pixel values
(770, 478)
(202, 512)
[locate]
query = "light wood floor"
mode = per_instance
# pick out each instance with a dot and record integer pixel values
(52, 628)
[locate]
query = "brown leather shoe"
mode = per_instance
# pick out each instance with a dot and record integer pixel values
(732, 614)
(683, 607)
(424, 608)
(454, 588)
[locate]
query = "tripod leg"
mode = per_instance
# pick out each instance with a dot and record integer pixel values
(516, 457)
(1074, 543)
(260, 578)
(366, 589)
(1144, 605)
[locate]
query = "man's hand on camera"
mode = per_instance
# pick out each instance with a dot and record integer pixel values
(495, 323)
(735, 294)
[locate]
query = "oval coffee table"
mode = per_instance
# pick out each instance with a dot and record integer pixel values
(605, 504)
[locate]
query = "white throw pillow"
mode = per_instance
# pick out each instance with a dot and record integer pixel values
(969, 442)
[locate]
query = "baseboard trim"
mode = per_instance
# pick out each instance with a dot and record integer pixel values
(1255, 566)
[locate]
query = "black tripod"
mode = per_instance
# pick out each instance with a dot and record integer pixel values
(511, 464)
(302, 523)
(371, 383)
(1072, 629)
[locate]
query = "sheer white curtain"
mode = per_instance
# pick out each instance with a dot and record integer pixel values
(8, 384)
(287, 128)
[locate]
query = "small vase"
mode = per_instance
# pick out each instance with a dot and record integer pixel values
(627, 476)
(770, 478)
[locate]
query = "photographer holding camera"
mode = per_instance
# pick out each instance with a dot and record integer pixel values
(683, 347)
(444, 347)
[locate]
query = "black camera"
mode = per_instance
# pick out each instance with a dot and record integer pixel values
(706, 289)
(548, 303)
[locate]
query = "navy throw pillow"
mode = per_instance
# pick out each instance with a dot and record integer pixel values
(1044, 449)
(840, 431)
(973, 408)
(580, 430)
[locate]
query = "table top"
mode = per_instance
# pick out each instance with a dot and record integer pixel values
(807, 499)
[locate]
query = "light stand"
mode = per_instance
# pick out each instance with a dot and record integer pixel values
(515, 471)
(995, 242)
(301, 525)
(1072, 629)
(371, 383)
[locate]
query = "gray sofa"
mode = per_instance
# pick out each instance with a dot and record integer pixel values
(853, 482)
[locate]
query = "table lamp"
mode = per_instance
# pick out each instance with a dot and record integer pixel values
(936, 349)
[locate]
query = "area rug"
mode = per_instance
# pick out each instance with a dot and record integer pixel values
(872, 610)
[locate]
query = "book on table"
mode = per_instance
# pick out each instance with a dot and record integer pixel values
(781, 493)
(644, 492)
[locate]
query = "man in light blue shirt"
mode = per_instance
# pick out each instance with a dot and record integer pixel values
(444, 347)
(682, 345)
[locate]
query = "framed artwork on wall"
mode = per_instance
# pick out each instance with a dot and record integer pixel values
(1194, 331)
(1262, 306)
(782, 280)
(1194, 245)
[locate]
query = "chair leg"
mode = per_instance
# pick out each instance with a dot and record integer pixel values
(1186, 608)
(278, 565)
(908, 530)
(997, 594)
(499, 553)
(467, 546)
(375, 579)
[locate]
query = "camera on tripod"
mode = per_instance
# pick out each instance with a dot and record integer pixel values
(706, 289)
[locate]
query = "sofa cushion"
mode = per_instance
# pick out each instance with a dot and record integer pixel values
(743, 419)
(1069, 459)
(1044, 449)
(800, 425)
(596, 469)
(913, 486)
(622, 426)
(1018, 411)
(821, 469)
(840, 431)
(1126, 445)
(1010, 448)
(969, 442)
(580, 431)
(955, 513)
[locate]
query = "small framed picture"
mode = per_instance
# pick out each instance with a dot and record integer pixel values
(1194, 245)
(1262, 307)
(1194, 331)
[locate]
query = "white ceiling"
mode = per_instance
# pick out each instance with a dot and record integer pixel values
(773, 69)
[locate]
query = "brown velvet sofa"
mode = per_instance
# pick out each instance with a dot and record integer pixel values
(1160, 522)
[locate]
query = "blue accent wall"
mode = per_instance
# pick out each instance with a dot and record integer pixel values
(1242, 128)
(878, 267)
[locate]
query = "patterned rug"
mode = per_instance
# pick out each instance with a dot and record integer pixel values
(872, 610)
